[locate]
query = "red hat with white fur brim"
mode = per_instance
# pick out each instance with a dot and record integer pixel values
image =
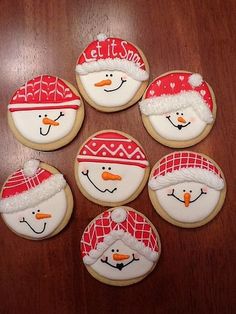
(175, 91)
(108, 53)
(29, 186)
(119, 224)
(179, 167)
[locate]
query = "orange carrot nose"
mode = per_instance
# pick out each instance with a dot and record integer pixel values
(103, 83)
(181, 119)
(120, 257)
(42, 216)
(110, 176)
(50, 122)
(187, 197)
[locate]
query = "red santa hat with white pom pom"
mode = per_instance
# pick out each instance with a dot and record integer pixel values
(119, 224)
(178, 90)
(29, 186)
(108, 53)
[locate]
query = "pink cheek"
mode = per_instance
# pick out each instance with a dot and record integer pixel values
(205, 189)
(168, 191)
(192, 120)
(84, 168)
(124, 77)
(136, 256)
(20, 218)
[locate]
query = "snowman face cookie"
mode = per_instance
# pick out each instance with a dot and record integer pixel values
(111, 168)
(178, 109)
(111, 73)
(36, 201)
(46, 113)
(120, 246)
(187, 189)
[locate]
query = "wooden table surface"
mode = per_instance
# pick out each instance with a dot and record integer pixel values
(196, 272)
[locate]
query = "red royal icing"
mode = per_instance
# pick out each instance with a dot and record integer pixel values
(175, 83)
(111, 48)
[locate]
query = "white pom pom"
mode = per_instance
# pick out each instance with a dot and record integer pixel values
(118, 215)
(31, 167)
(195, 80)
(101, 37)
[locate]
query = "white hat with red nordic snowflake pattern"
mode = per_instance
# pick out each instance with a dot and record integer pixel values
(119, 224)
(185, 166)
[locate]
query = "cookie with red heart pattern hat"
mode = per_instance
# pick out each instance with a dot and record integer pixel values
(120, 246)
(112, 73)
(111, 168)
(36, 202)
(187, 189)
(46, 113)
(178, 109)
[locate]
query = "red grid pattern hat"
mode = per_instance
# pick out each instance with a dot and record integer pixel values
(28, 187)
(112, 54)
(186, 166)
(42, 93)
(119, 224)
(112, 147)
(178, 90)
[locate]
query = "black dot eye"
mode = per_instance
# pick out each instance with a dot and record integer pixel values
(184, 190)
(103, 168)
(40, 116)
(33, 213)
(38, 210)
(182, 114)
(45, 115)
(190, 191)
(177, 113)
(109, 168)
(106, 75)
(113, 250)
(117, 250)
(111, 75)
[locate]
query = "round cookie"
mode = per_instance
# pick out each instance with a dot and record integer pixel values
(187, 189)
(120, 247)
(46, 113)
(36, 202)
(111, 168)
(112, 74)
(178, 109)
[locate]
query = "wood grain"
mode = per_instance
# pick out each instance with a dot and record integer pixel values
(196, 272)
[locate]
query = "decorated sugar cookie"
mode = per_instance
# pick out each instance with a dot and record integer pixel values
(187, 189)
(120, 246)
(111, 168)
(36, 202)
(112, 73)
(178, 109)
(46, 113)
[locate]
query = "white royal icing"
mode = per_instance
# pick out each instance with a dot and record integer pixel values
(30, 124)
(131, 179)
(134, 270)
(195, 211)
(115, 98)
(56, 206)
(166, 130)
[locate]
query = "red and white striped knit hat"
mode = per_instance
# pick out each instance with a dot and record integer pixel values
(43, 93)
(175, 91)
(29, 187)
(186, 166)
(119, 224)
(112, 147)
(112, 54)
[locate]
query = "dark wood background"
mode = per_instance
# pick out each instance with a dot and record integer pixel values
(196, 272)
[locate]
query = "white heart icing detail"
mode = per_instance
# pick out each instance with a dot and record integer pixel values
(172, 85)
(181, 77)
(152, 92)
(158, 83)
(202, 92)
